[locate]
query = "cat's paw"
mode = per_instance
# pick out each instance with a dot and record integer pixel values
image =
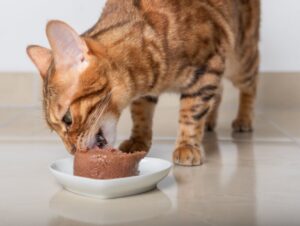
(187, 156)
(132, 145)
(242, 125)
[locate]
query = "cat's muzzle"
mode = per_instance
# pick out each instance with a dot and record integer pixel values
(101, 142)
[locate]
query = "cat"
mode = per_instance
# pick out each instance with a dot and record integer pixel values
(140, 49)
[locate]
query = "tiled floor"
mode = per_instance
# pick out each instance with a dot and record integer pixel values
(246, 179)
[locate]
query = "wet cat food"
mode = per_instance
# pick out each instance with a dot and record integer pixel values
(106, 163)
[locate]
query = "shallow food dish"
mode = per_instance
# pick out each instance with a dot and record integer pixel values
(151, 171)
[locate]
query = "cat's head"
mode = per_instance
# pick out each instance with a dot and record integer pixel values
(82, 99)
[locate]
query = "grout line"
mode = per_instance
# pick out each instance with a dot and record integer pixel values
(282, 131)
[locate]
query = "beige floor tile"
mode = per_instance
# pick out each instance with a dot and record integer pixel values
(287, 121)
(240, 183)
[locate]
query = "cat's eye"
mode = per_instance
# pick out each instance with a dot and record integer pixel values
(67, 119)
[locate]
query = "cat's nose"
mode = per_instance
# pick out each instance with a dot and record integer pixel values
(69, 146)
(100, 140)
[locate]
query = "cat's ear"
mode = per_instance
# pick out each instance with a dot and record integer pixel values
(41, 57)
(69, 50)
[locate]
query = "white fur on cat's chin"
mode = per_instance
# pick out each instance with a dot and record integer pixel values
(109, 128)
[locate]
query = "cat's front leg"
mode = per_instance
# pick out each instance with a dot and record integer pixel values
(142, 111)
(197, 102)
(192, 121)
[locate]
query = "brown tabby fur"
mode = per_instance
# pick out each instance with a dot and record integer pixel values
(140, 49)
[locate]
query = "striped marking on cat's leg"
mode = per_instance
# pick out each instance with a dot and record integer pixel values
(142, 111)
(211, 121)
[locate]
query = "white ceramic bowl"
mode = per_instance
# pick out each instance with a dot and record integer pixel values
(152, 170)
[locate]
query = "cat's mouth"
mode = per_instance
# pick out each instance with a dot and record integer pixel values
(105, 137)
(101, 142)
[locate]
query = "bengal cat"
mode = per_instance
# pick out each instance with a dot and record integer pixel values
(140, 49)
